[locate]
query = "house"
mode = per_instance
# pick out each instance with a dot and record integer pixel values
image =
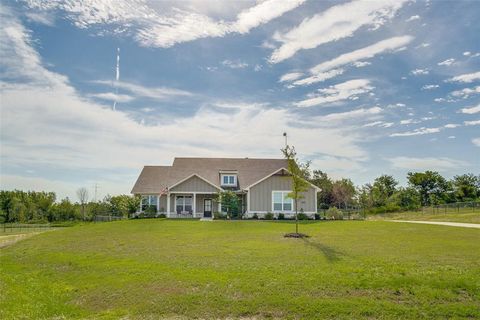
(188, 187)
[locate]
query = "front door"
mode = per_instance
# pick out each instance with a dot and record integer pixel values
(207, 208)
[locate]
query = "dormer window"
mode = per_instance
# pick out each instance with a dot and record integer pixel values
(228, 180)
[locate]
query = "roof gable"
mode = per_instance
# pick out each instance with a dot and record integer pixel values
(155, 179)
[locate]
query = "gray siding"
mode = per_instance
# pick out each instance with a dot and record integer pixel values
(199, 202)
(163, 204)
(261, 194)
(194, 184)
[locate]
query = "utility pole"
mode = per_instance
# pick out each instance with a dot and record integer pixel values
(96, 189)
(286, 141)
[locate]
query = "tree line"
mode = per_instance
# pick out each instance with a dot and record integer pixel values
(42, 207)
(384, 194)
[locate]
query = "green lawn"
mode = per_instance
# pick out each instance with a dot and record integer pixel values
(464, 215)
(150, 269)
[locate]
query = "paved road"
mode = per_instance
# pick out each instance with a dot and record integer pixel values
(451, 224)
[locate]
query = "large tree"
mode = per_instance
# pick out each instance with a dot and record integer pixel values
(325, 196)
(466, 187)
(343, 192)
(383, 188)
(299, 173)
(431, 186)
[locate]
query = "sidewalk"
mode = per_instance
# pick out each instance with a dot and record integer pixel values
(451, 224)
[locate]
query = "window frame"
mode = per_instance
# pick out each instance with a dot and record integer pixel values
(229, 175)
(183, 197)
(144, 206)
(284, 194)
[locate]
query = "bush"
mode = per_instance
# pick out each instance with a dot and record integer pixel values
(317, 216)
(150, 214)
(255, 216)
(334, 213)
(281, 216)
(302, 216)
(219, 215)
(162, 215)
(269, 216)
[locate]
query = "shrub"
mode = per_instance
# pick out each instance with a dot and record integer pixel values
(317, 216)
(162, 215)
(151, 210)
(255, 216)
(219, 215)
(302, 216)
(334, 213)
(269, 216)
(281, 216)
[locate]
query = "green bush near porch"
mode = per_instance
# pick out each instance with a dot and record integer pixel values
(160, 268)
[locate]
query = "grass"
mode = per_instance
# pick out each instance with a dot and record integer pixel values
(150, 269)
(466, 215)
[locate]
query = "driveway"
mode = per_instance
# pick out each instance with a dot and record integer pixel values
(450, 224)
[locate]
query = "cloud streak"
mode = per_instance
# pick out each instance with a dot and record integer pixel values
(332, 25)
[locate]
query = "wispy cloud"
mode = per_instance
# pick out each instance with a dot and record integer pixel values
(290, 76)
(413, 18)
(416, 132)
(429, 163)
(110, 96)
(471, 110)
(466, 78)
(472, 123)
(465, 93)
(430, 86)
(418, 72)
(139, 91)
(447, 62)
(346, 90)
(476, 141)
(333, 25)
(160, 26)
(234, 64)
(327, 69)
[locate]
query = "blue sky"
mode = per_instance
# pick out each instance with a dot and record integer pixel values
(363, 88)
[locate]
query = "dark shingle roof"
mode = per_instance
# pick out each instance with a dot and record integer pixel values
(154, 179)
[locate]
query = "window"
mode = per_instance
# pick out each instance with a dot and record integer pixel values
(229, 180)
(281, 201)
(183, 204)
(149, 201)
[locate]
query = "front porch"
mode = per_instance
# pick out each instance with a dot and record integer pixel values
(182, 205)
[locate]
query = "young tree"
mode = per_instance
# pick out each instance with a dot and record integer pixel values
(299, 172)
(82, 194)
(229, 201)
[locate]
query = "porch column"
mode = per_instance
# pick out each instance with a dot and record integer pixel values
(194, 204)
(168, 204)
(248, 201)
(219, 207)
(158, 203)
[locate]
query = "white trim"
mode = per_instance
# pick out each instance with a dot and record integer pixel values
(282, 211)
(234, 175)
(248, 202)
(273, 173)
(316, 202)
(168, 204)
(197, 192)
(194, 204)
(190, 176)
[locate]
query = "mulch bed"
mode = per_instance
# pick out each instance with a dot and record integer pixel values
(296, 235)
